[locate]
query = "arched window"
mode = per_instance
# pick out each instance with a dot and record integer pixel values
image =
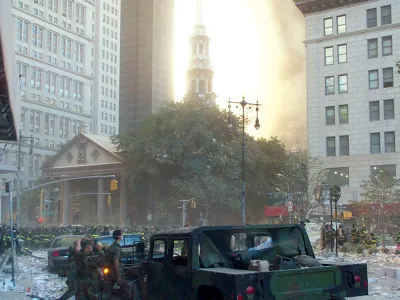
(202, 87)
(201, 48)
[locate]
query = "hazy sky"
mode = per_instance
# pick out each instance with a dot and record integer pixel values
(256, 50)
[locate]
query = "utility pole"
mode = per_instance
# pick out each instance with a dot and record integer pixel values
(184, 210)
(9, 189)
(21, 137)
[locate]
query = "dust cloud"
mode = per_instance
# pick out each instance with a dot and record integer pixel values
(285, 113)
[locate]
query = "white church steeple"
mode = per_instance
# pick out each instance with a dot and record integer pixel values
(200, 72)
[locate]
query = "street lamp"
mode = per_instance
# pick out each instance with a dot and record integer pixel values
(287, 196)
(243, 103)
(21, 137)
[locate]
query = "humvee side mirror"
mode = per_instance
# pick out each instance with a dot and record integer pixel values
(138, 248)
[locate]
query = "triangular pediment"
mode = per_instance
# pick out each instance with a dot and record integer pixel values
(84, 150)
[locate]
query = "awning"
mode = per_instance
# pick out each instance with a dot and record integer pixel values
(276, 211)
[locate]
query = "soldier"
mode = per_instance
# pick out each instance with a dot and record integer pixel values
(341, 236)
(364, 234)
(71, 274)
(354, 234)
(114, 284)
(84, 276)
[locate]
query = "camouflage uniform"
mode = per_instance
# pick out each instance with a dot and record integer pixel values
(113, 289)
(71, 274)
(84, 275)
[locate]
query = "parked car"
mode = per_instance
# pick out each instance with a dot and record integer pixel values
(57, 254)
(127, 245)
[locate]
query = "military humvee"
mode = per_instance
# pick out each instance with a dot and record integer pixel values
(213, 263)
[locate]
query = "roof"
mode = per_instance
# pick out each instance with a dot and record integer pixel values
(103, 141)
(196, 230)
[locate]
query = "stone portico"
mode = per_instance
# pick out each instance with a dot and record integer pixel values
(84, 200)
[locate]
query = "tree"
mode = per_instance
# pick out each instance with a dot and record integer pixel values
(187, 151)
(304, 174)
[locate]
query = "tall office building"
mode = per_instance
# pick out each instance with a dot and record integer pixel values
(67, 56)
(352, 89)
(146, 59)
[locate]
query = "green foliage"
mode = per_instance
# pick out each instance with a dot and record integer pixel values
(187, 151)
(372, 250)
(380, 189)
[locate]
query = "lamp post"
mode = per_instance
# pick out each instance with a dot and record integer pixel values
(289, 205)
(335, 193)
(21, 137)
(243, 103)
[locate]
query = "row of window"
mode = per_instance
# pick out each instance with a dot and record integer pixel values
(373, 81)
(372, 48)
(114, 35)
(52, 102)
(49, 124)
(105, 104)
(113, 10)
(111, 130)
(389, 144)
(371, 20)
(374, 112)
(106, 19)
(109, 56)
(108, 117)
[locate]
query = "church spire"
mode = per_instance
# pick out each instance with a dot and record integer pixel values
(200, 73)
(199, 13)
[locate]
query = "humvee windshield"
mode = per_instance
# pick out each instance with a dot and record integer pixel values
(217, 246)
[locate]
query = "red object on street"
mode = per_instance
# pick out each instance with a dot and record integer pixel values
(276, 211)
(40, 220)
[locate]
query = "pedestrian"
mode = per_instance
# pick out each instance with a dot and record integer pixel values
(82, 250)
(114, 284)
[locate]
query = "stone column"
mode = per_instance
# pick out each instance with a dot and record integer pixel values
(65, 203)
(123, 185)
(100, 201)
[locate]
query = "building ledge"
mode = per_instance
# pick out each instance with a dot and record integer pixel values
(316, 6)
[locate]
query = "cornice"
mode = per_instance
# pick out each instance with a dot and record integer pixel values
(315, 6)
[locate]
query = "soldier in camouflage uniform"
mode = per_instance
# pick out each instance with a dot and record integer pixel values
(71, 274)
(115, 286)
(84, 275)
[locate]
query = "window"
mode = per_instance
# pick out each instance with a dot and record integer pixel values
(328, 56)
(374, 111)
(37, 36)
(372, 18)
(375, 142)
(330, 115)
(390, 142)
(329, 85)
(387, 46)
(339, 176)
(79, 52)
(22, 30)
(36, 78)
(344, 145)
(342, 54)
(51, 81)
(386, 15)
(372, 48)
(80, 14)
(388, 109)
(180, 248)
(330, 146)
(341, 24)
(373, 77)
(384, 170)
(328, 26)
(52, 41)
(387, 77)
(66, 47)
(22, 69)
(343, 83)
(343, 114)
(78, 90)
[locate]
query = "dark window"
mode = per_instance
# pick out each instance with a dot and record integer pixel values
(159, 251)
(375, 142)
(330, 146)
(387, 77)
(342, 54)
(373, 78)
(341, 24)
(384, 170)
(328, 56)
(339, 176)
(372, 48)
(387, 45)
(328, 26)
(374, 111)
(343, 88)
(388, 109)
(343, 114)
(372, 18)
(330, 115)
(344, 145)
(390, 142)
(386, 14)
(329, 85)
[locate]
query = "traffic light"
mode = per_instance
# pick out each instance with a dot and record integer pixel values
(193, 204)
(114, 185)
(8, 186)
(109, 200)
